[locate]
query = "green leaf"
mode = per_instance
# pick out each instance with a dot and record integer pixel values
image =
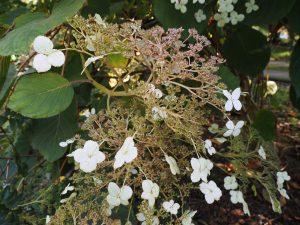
(247, 50)
(31, 25)
(4, 66)
(228, 78)
(8, 83)
(73, 67)
(41, 96)
(269, 11)
(47, 133)
(294, 17)
(295, 68)
(265, 124)
(169, 17)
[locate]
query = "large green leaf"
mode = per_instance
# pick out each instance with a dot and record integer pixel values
(265, 123)
(172, 18)
(247, 50)
(41, 96)
(269, 11)
(31, 25)
(295, 68)
(228, 78)
(47, 133)
(294, 17)
(8, 83)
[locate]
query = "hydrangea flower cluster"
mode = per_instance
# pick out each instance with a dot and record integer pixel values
(143, 148)
(225, 13)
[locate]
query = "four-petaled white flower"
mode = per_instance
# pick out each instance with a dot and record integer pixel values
(67, 188)
(150, 192)
(236, 197)
(47, 56)
(282, 177)
(225, 5)
(230, 183)
(233, 100)
(251, 6)
(208, 145)
(235, 17)
(173, 165)
(233, 130)
(171, 207)
(158, 113)
(211, 191)
(261, 152)
(187, 217)
(89, 156)
(126, 154)
(201, 169)
(117, 196)
(200, 16)
(141, 217)
(221, 18)
(181, 6)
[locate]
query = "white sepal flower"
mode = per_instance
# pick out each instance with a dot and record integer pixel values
(210, 149)
(150, 192)
(67, 188)
(181, 6)
(171, 207)
(173, 165)
(233, 130)
(141, 217)
(211, 191)
(233, 100)
(251, 6)
(261, 152)
(235, 17)
(56, 58)
(89, 156)
(201, 169)
(42, 45)
(187, 217)
(282, 177)
(200, 16)
(157, 93)
(230, 183)
(40, 63)
(117, 196)
(221, 18)
(158, 113)
(126, 154)
(236, 197)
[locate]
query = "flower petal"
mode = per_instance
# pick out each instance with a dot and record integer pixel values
(56, 58)
(228, 106)
(236, 94)
(113, 189)
(40, 63)
(42, 45)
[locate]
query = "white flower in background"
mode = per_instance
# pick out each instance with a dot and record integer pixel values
(48, 218)
(87, 113)
(150, 192)
(236, 197)
(272, 88)
(99, 20)
(210, 149)
(158, 113)
(64, 144)
(235, 17)
(201, 169)
(117, 196)
(173, 165)
(67, 188)
(181, 5)
(157, 93)
(230, 183)
(233, 100)
(233, 130)
(282, 177)
(89, 156)
(283, 192)
(141, 217)
(211, 191)
(47, 56)
(225, 6)
(261, 152)
(221, 18)
(200, 16)
(200, 1)
(246, 208)
(251, 6)
(126, 154)
(171, 207)
(151, 88)
(187, 217)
